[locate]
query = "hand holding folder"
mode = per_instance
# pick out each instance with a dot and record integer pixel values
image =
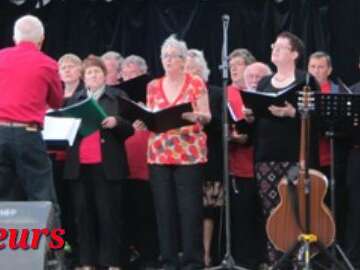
(159, 121)
(259, 102)
(88, 110)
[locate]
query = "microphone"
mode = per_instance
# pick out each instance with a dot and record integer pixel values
(225, 18)
(224, 54)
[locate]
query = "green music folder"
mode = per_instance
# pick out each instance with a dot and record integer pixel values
(88, 110)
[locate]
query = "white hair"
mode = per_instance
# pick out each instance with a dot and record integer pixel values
(199, 59)
(28, 28)
(173, 42)
(112, 55)
(136, 60)
(260, 65)
(264, 68)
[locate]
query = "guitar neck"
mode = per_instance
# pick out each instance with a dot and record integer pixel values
(304, 146)
(305, 136)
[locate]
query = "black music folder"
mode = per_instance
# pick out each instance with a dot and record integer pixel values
(136, 88)
(158, 121)
(259, 102)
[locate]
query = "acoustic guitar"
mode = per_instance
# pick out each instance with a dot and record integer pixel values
(301, 209)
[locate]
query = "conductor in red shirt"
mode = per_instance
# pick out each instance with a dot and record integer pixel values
(29, 84)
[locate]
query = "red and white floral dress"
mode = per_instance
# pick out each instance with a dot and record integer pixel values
(181, 146)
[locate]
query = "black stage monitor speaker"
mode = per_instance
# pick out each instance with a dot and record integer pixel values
(19, 217)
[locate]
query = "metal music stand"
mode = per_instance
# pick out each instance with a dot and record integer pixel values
(338, 114)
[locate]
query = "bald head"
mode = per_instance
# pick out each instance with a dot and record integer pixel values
(253, 73)
(29, 28)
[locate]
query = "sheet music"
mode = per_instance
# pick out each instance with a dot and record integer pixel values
(60, 130)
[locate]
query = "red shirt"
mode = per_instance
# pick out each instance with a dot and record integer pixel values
(29, 83)
(325, 87)
(136, 148)
(90, 149)
(241, 157)
(324, 144)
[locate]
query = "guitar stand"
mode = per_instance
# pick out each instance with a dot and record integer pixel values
(303, 245)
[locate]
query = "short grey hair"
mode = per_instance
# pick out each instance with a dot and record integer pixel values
(198, 57)
(244, 54)
(173, 42)
(112, 55)
(73, 58)
(321, 54)
(28, 28)
(136, 60)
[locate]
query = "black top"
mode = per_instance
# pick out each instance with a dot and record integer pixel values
(276, 138)
(67, 101)
(112, 140)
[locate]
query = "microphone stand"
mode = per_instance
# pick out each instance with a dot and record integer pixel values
(228, 261)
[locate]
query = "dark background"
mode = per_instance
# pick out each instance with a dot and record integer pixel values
(140, 27)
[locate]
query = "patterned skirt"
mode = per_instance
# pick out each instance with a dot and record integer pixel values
(213, 198)
(268, 176)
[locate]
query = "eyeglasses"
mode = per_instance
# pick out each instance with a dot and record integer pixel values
(171, 56)
(280, 47)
